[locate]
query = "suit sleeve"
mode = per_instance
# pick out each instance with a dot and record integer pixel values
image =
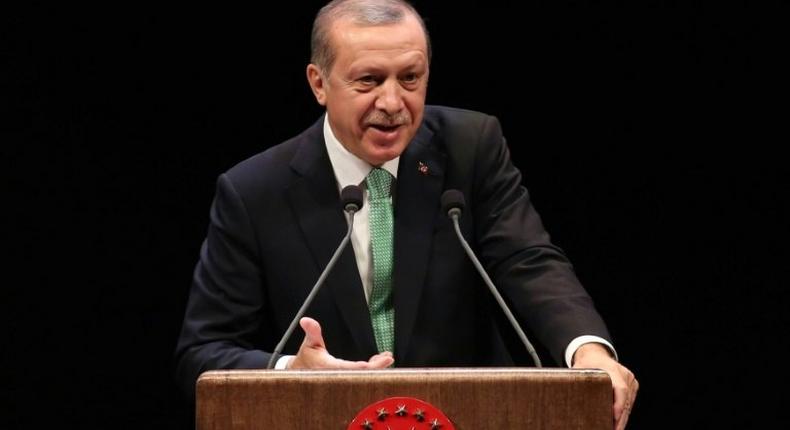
(223, 313)
(534, 275)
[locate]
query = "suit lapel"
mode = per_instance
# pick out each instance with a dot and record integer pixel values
(419, 186)
(316, 204)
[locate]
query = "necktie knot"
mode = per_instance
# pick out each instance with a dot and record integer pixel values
(379, 183)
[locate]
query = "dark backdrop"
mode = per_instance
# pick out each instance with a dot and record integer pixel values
(648, 133)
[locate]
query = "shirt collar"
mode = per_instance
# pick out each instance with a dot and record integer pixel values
(350, 169)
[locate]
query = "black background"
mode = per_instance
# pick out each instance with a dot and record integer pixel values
(648, 133)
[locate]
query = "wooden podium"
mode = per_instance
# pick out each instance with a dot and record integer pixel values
(472, 398)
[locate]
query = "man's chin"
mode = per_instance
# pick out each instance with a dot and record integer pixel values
(382, 154)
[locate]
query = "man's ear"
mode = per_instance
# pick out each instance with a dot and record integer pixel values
(317, 83)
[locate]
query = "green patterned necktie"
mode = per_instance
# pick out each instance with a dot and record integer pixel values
(381, 233)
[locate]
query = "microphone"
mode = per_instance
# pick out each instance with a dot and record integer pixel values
(351, 196)
(453, 205)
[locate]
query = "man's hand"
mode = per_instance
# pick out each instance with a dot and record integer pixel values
(625, 385)
(313, 354)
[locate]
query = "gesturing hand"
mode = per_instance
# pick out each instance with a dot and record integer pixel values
(314, 355)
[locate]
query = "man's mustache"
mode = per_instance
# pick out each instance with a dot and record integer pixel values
(382, 119)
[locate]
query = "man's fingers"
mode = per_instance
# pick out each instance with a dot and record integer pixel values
(378, 361)
(312, 333)
(620, 402)
(623, 398)
(622, 420)
(623, 408)
(350, 365)
(381, 361)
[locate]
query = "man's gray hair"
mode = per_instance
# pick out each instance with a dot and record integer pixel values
(360, 12)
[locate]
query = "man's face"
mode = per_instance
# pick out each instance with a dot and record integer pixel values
(375, 91)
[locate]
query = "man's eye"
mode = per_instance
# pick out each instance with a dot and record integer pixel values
(367, 80)
(410, 78)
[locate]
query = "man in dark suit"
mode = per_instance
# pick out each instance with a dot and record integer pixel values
(276, 220)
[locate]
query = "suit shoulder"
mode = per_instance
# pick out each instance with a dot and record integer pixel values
(446, 117)
(276, 160)
(461, 129)
(272, 168)
(271, 161)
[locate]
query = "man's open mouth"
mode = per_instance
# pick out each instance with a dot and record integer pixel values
(385, 128)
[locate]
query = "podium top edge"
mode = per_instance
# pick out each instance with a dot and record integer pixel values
(404, 372)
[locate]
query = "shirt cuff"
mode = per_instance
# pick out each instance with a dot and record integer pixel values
(282, 362)
(581, 340)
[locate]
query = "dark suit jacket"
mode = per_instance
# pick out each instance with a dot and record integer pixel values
(276, 221)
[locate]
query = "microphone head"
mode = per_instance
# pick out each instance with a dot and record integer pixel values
(453, 202)
(351, 196)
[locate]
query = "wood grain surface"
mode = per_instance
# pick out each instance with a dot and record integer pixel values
(472, 398)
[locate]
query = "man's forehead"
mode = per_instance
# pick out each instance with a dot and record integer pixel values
(345, 32)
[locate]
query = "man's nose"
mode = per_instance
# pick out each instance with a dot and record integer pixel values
(390, 98)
